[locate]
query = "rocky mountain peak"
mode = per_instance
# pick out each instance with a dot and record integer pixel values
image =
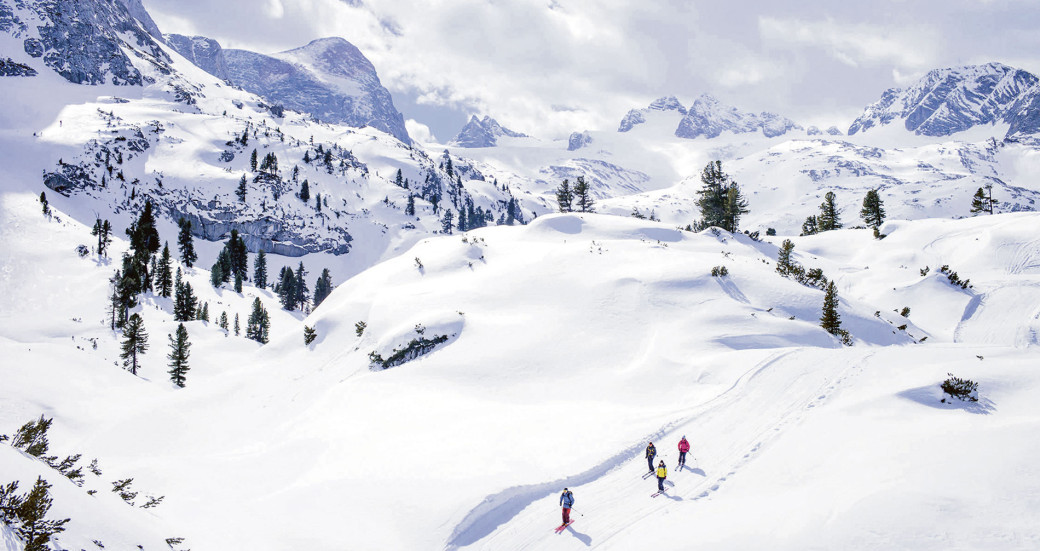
(483, 133)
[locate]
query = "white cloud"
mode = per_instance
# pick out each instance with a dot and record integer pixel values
(857, 44)
(419, 131)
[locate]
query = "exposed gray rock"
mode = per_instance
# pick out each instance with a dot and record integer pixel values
(328, 78)
(10, 68)
(136, 9)
(86, 42)
(813, 131)
(710, 118)
(482, 133)
(947, 101)
(205, 53)
(835, 131)
(578, 140)
(638, 116)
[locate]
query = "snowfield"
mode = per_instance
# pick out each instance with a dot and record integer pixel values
(570, 343)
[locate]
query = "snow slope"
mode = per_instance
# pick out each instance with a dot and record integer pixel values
(571, 342)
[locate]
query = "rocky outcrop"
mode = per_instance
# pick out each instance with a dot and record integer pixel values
(205, 53)
(948, 101)
(638, 116)
(482, 133)
(328, 78)
(578, 140)
(709, 117)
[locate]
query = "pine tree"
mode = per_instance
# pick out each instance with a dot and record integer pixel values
(103, 231)
(241, 191)
(734, 207)
(216, 274)
(223, 320)
(409, 208)
(179, 352)
(46, 205)
(829, 218)
(252, 162)
(309, 334)
(184, 241)
(983, 201)
(34, 530)
(300, 287)
(565, 197)
(184, 303)
(873, 211)
(461, 224)
(260, 270)
(238, 255)
(114, 304)
(712, 196)
(128, 288)
(830, 320)
(238, 328)
(399, 179)
(205, 312)
(164, 273)
(322, 287)
(144, 242)
(135, 342)
(447, 221)
(583, 195)
(258, 326)
(784, 263)
(305, 192)
(811, 226)
(238, 282)
(287, 289)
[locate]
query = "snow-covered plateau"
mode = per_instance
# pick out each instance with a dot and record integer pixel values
(456, 380)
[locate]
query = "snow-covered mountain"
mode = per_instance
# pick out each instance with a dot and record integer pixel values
(205, 53)
(328, 78)
(482, 133)
(709, 117)
(947, 101)
(638, 116)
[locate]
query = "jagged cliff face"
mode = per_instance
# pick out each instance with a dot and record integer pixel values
(638, 116)
(328, 78)
(85, 42)
(947, 101)
(709, 117)
(482, 133)
(205, 53)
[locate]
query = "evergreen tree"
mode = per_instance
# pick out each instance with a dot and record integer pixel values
(983, 201)
(399, 179)
(184, 303)
(583, 195)
(179, 353)
(114, 304)
(287, 289)
(830, 320)
(409, 208)
(46, 205)
(322, 287)
(300, 287)
(461, 224)
(784, 263)
(238, 282)
(446, 222)
(238, 256)
(873, 211)
(511, 212)
(164, 273)
(309, 334)
(259, 325)
(184, 241)
(103, 231)
(811, 226)
(128, 288)
(317, 202)
(205, 312)
(34, 530)
(241, 191)
(712, 196)
(260, 270)
(829, 218)
(307, 156)
(238, 328)
(216, 274)
(135, 342)
(144, 242)
(734, 207)
(305, 192)
(565, 197)
(223, 320)
(252, 162)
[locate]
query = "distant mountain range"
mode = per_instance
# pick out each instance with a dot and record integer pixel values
(482, 133)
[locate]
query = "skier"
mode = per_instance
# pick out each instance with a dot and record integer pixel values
(566, 501)
(684, 446)
(651, 453)
(662, 473)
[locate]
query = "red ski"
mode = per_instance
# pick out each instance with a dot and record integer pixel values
(562, 527)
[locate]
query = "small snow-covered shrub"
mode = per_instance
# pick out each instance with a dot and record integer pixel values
(962, 389)
(719, 271)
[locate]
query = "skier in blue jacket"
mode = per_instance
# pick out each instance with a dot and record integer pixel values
(566, 501)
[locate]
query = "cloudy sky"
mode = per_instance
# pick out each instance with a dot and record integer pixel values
(549, 67)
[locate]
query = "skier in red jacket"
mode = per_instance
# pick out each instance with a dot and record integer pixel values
(684, 446)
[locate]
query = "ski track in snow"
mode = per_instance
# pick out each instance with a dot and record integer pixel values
(507, 520)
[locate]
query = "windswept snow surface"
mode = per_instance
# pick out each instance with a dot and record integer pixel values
(571, 342)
